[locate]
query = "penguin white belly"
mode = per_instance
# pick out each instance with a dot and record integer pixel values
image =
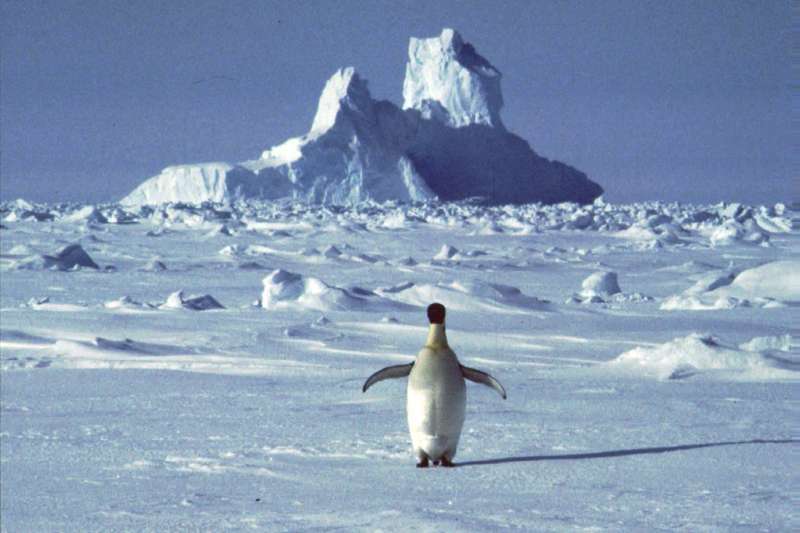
(436, 403)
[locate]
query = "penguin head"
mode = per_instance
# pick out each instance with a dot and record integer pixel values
(436, 313)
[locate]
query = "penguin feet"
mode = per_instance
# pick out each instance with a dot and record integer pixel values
(424, 462)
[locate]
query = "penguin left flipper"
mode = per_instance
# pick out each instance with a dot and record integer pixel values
(390, 372)
(483, 378)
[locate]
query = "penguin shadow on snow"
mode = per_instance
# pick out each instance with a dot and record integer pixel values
(620, 453)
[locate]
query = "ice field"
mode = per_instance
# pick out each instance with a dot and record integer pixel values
(200, 368)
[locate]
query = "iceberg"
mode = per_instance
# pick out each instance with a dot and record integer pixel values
(447, 142)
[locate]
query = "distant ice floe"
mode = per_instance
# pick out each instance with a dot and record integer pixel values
(684, 357)
(774, 284)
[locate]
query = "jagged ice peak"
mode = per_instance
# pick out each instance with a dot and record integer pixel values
(344, 88)
(447, 80)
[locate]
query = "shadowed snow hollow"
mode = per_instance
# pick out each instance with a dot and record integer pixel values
(447, 143)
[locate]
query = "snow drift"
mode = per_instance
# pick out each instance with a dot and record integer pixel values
(769, 285)
(684, 357)
(177, 300)
(448, 142)
(288, 290)
(778, 280)
(600, 284)
(71, 257)
(466, 296)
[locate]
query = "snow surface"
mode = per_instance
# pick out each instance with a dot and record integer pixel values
(447, 142)
(129, 405)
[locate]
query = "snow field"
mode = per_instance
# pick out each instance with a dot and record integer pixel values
(122, 413)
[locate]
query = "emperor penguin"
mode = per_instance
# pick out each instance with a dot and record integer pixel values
(436, 394)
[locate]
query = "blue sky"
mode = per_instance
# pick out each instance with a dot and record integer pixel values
(670, 100)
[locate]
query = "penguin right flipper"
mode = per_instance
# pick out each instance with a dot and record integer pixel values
(483, 378)
(390, 372)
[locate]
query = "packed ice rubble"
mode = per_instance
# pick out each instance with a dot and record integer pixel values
(702, 353)
(448, 142)
(647, 225)
(23, 210)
